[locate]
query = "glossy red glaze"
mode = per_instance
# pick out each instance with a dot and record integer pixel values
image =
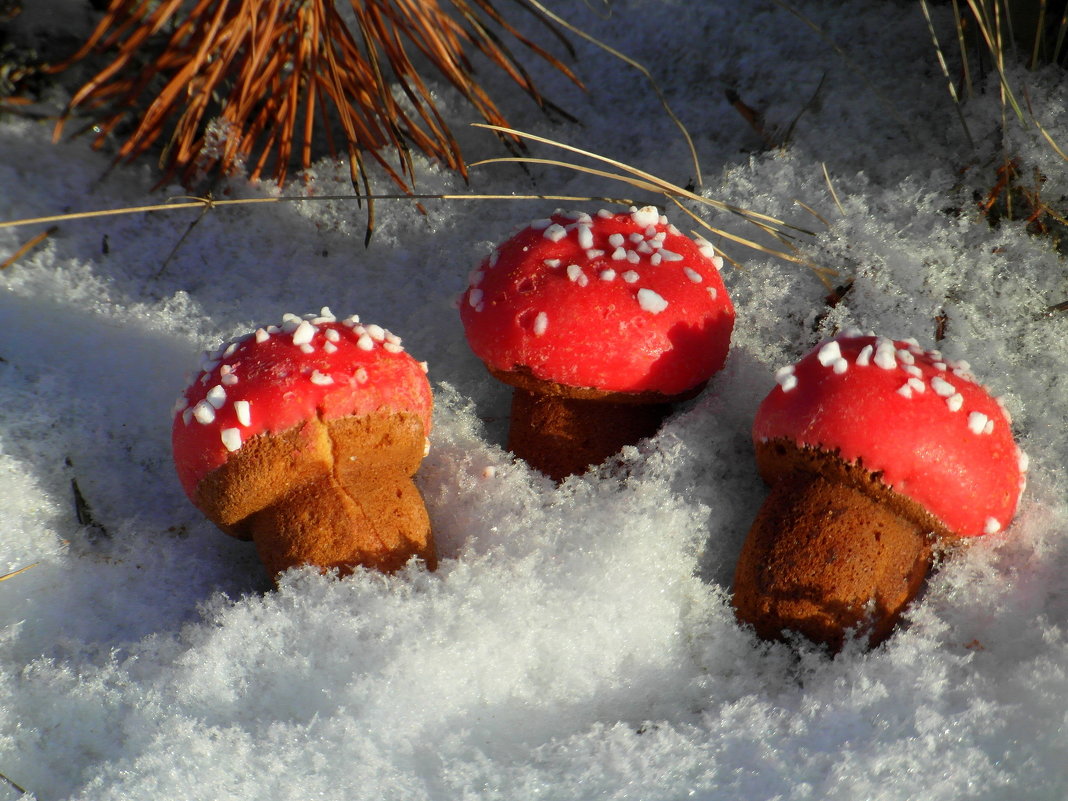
(619, 302)
(923, 423)
(286, 375)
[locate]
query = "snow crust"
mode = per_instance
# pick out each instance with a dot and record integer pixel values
(576, 642)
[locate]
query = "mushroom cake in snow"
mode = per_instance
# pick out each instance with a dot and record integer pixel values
(303, 437)
(599, 323)
(877, 451)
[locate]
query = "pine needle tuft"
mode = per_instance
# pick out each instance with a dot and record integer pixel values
(259, 86)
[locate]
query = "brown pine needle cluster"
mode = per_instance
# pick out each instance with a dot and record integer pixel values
(260, 85)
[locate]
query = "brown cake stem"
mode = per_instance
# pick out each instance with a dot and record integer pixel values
(563, 436)
(824, 557)
(379, 524)
(562, 430)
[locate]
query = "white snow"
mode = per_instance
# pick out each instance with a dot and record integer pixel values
(577, 641)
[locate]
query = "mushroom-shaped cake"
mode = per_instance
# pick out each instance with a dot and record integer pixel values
(876, 451)
(304, 438)
(598, 323)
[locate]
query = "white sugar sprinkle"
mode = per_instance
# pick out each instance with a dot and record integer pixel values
(365, 342)
(655, 259)
(187, 415)
(351, 320)
(361, 375)
(551, 263)
(321, 379)
(376, 332)
(955, 401)
(594, 254)
(541, 322)
(829, 353)
(840, 366)
(650, 301)
(942, 387)
(713, 292)
(785, 377)
(554, 232)
(913, 370)
(575, 274)
(607, 275)
(303, 333)
(1023, 460)
(261, 335)
(204, 413)
(630, 276)
(976, 422)
(330, 347)
(306, 348)
(904, 391)
(243, 410)
(636, 238)
(992, 526)
(670, 255)
(392, 347)
(216, 396)
(474, 297)
(605, 214)
(864, 357)
(693, 275)
(616, 240)
(633, 257)
(905, 356)
(884, 355)
(539, 225)
(619, 254)
(231, 439)
(585, 237)
(917, 385)
(228, 380)
(646, 215)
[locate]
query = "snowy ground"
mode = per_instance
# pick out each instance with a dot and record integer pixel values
(576, 642)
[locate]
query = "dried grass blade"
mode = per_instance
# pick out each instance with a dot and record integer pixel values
(5, 577)
(994, 45)
(1045, 134)
(27, 246)
(830, 187)
(945, 71)
(965, 66)
(663, 187)
(640, 68)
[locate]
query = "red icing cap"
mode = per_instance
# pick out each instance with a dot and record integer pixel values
(279, 376)
(619, 302)
(935, 435)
